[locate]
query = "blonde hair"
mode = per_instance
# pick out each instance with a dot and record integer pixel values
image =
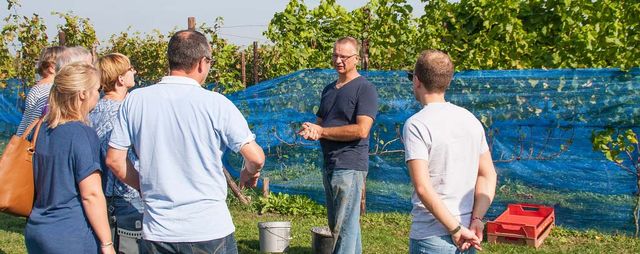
(64, 100)
(48, 59)
(111, 67)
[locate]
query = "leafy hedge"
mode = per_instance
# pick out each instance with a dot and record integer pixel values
(478, 34)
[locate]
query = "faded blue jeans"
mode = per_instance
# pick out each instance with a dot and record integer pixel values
(436, 245)
(343, 190)
(225, 245)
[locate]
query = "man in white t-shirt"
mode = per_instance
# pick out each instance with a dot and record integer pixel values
(449, 162)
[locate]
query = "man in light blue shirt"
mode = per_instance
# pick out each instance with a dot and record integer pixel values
(180, 131)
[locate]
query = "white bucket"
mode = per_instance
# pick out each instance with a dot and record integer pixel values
(274, 236)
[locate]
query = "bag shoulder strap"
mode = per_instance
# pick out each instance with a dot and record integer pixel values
(29, 128)
(35, 133)
(27, 132)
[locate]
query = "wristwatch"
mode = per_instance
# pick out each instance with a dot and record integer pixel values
(455, 230)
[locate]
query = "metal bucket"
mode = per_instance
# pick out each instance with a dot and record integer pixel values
(274, 236)
(322, 241)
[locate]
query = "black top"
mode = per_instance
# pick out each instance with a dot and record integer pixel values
(340, 107)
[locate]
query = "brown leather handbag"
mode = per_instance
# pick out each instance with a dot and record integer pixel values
(16, 173)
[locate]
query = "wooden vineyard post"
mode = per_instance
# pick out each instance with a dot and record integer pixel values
(363, 200)
(234, 188)
(94, 50)
(62, 38)
(191, 23)
(255, 63)
(265, 187)
(243, 66)
(365, 54)
(365, 41)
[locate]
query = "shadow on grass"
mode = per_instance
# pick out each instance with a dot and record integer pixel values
(11, 223)
(253, 246)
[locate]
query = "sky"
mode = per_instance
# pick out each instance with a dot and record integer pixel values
(244, 20)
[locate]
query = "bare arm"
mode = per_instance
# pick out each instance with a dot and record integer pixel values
(484, 192)
(254, 161)
(419, 172)
(122, 168)
(95, 207)
(350, 132)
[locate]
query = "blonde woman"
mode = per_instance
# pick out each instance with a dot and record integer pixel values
(123, 201)
(69, 213)
(46, 69)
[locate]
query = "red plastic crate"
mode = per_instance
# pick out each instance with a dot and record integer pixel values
(522, 223)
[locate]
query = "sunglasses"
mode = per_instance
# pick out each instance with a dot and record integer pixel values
(410, 75)
(131, 68)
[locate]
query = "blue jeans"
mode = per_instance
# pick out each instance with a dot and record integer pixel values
(225, 245)
(343, 190)
(436, 245)
(126, 224)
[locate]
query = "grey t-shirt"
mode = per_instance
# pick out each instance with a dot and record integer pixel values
(451, 140)
(340, 107)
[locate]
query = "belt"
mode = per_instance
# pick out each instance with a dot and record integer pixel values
(130, 233)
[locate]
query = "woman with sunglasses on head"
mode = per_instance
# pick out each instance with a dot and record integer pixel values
(69, 213)
(123, 202)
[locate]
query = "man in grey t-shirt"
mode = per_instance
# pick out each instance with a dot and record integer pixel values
(449, 163)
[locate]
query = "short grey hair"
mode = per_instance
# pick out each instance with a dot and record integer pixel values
(186, 48)
(349, 40)
(72, 54)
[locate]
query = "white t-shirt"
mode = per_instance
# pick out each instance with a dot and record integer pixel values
(450, 139)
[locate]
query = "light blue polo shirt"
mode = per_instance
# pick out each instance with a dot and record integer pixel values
(179, 131)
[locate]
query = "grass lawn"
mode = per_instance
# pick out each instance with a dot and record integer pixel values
(11, 238)
(388, 233)
(382, 233)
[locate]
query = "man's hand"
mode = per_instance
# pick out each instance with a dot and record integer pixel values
(253, 163)
(465, 239)
(477, 227)
(310, 131)
(248, 179)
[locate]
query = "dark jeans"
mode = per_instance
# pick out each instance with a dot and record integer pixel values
(126, 225)
(225, 245)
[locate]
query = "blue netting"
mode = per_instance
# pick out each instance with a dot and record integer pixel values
(539, 124)
(11, 106)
